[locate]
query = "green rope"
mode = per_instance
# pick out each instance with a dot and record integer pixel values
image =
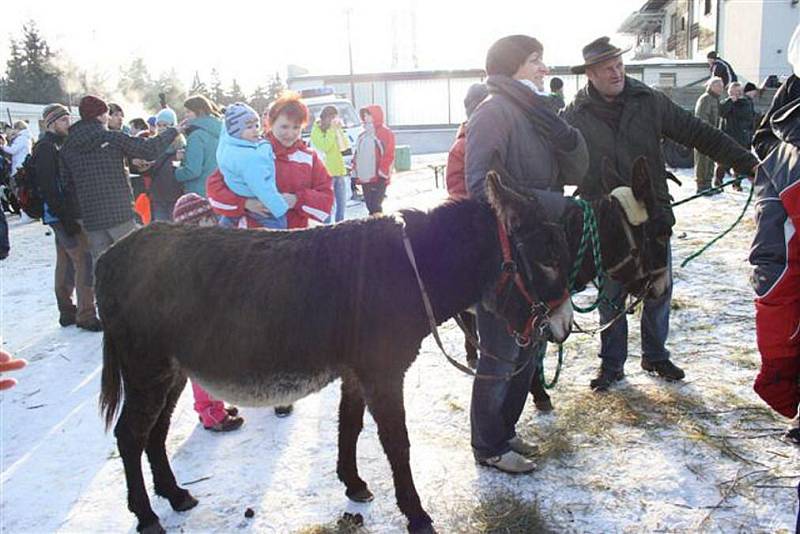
(542, 352)
(590, 234)
(723, 234)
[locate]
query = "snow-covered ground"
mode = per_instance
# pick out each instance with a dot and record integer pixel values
(700, 455)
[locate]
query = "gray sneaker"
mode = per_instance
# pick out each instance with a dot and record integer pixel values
(510, 462)
(520, 446)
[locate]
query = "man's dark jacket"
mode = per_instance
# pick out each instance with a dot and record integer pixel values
(60, 200)
(94, 163)
(643, 117)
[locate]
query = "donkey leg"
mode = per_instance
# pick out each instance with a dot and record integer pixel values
(468, 319)
(138, 416)
(541, 399)
(351, 421)
(163, 477)
(385, 402)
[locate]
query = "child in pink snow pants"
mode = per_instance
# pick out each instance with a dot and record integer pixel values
(193, 209)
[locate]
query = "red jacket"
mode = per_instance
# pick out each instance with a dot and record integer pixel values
(298, 170)
(455, 177)
(385, 146)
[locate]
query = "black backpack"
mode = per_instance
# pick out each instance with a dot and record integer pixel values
(28, 193)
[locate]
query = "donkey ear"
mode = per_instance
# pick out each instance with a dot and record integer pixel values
(641, 182)
(609, 176)
(509, 205)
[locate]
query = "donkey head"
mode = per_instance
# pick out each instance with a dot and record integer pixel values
(532, 276)
(633, 241)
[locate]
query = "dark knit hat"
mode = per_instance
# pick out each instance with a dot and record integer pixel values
(115, 108)
(476, 94)
(750, 86)
(52, 113)
(191, 208)
(508, 54)
(91, 107)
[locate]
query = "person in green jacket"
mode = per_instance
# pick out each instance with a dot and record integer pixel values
(200, 158)
(707, 110)
(329, 140)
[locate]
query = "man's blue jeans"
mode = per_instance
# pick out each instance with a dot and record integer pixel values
(655, 325)
(497, 404)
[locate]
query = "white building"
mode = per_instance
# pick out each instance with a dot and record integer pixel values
(751, 34)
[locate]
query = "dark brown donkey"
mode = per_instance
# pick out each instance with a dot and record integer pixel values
(293, 310)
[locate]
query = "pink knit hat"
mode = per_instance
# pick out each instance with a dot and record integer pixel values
(191, 208)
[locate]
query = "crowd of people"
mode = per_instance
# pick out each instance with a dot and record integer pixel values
(234, 168)
(100, 179)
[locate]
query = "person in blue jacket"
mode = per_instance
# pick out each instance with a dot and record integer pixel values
(200, 158)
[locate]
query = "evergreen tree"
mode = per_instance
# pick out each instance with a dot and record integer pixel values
(260, 99)
(31, 73)
(275, 88)
(217, 92)
(198, 86)
(236, 94)
(170, 85)
(135, 81)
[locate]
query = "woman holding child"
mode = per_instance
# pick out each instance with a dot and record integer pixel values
(244, 195)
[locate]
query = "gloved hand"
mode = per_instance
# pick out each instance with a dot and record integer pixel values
(563, 136)
(777, 384)
(71, 227)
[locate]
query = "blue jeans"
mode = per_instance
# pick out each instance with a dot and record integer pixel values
(497, 404)
(655, 325)
(341, 194)
(264, 221)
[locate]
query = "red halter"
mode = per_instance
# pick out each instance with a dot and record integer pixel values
(540, 310)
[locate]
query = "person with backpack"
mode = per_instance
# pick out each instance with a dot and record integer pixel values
(373, 158)
(94, 163)
(19, 149)
(73, 259)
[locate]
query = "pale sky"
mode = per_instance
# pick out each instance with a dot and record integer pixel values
(252, 40)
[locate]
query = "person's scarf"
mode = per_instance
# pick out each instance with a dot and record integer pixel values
(521, 95)
(608, 112)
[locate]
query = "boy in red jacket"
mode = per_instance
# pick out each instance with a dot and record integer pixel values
(373, 158)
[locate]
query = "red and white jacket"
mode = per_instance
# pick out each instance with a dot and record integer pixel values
(384, 147)
(299, 171)
(775, 256)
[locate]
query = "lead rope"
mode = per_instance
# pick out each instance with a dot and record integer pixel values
(434, 329)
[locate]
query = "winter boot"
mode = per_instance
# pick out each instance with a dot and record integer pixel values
(510, 462)
(664, 369)
(605, 378)
(228, 424)
(520, 446)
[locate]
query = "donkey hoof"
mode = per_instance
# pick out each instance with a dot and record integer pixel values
(421, 525)
(152, 528)
(183, 502)
(360, 495)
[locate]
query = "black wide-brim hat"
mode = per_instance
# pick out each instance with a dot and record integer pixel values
(596, 52)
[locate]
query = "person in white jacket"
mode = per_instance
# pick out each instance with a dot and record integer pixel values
(20, 147)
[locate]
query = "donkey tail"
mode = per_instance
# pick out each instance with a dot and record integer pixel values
(111, 381)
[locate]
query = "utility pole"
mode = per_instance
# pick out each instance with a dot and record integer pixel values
(347, 13)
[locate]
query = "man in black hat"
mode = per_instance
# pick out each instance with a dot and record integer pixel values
(621, 119)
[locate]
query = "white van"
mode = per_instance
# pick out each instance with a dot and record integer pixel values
(317, 99)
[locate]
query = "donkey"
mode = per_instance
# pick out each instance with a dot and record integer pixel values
(288, 316)
(634, 250)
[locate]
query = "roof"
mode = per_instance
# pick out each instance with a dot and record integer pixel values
(649, 17)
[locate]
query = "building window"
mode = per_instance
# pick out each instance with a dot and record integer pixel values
(707, 10)
(683, 24)
(673, 24)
